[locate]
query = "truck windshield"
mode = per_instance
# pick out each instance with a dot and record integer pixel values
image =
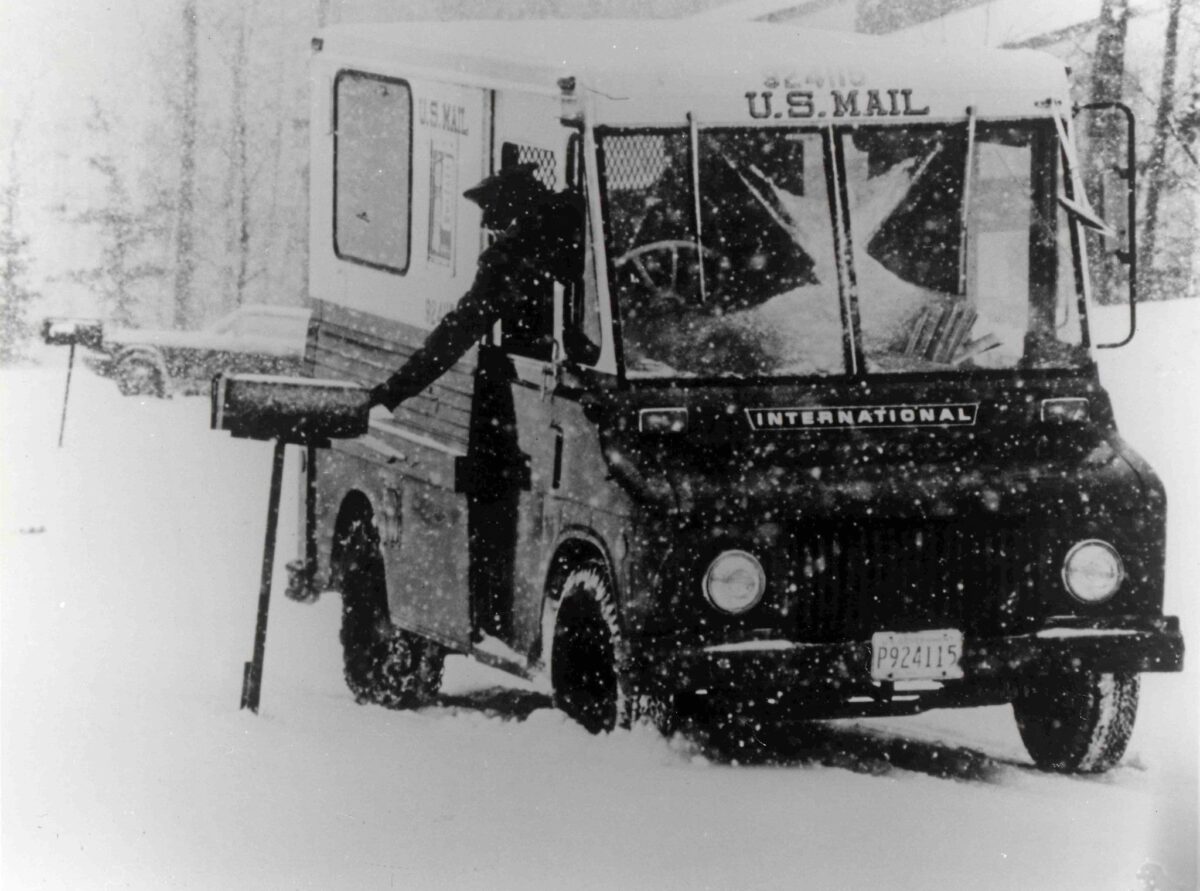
(958, 256)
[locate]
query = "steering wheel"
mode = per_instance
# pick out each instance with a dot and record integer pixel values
(670, 272)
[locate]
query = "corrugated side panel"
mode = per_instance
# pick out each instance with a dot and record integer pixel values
(351, 345)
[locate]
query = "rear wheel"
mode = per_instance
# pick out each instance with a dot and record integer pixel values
(139, 377)
(585, 655)
(1077, 723)
(383, 664)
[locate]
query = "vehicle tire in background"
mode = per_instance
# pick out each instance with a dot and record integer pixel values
(1077, 723)
(138, 376)
(584, 662)
(383, 664)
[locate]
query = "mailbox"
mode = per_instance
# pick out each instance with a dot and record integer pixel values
(298, 410)
(66, 331)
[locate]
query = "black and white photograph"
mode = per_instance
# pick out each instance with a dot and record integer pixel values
(714, 445)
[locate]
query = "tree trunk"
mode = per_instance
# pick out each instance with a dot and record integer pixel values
(185, 247)
(15, 297)
(1158, 154)
(239, 159)
(1105, 136)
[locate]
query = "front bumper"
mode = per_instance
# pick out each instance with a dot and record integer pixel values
(780, 670)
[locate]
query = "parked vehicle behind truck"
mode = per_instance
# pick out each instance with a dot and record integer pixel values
(255, 338)
(819, 430)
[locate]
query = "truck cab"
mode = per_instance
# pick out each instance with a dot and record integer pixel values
(817, 432)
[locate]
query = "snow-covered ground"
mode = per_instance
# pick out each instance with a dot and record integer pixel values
(129, 564)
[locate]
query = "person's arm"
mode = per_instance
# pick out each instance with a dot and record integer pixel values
(475, 313)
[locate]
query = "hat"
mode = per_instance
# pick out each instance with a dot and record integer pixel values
(506, 189)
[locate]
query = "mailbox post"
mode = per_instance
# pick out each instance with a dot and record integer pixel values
(300, 411)
(252, 671)
(68, 332)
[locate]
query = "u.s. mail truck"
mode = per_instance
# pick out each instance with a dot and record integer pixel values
(818, 431)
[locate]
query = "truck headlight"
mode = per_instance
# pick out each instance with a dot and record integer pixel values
(1092, 571)
(734, 582)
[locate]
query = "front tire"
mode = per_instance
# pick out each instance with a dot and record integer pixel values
(383, 664)
(1077, 723)
(585, 668)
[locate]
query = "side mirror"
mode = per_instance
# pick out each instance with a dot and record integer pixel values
(1110, 179)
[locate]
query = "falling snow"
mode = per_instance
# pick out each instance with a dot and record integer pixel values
(129, 570)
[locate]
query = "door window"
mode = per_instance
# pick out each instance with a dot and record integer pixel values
(530, 332)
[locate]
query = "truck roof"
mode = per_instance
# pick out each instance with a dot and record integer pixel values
(655, 72)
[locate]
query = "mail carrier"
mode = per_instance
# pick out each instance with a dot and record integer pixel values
(818, 431)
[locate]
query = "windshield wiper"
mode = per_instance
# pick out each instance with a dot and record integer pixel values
(1086, 215)
(769, 201)
(1081, 210)
(966, 203)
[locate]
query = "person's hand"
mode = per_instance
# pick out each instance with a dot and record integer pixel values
(380, 395)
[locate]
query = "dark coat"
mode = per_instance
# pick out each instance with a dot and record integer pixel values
(545, 244)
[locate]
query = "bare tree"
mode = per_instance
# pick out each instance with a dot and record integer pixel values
(1105, 132)
(16, 296)
(1159, 173)
(239, 159)
(128, 230)
(259, 51)
(185, 207)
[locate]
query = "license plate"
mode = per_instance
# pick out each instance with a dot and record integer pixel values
(916, 655)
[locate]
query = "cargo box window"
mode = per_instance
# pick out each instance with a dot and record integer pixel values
(372, 151)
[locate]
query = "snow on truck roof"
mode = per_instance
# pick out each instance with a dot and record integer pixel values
(657, 71)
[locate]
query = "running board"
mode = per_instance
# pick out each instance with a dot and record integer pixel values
(495, 653)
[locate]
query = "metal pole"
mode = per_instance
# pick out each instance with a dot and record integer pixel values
(62, 427)
(252, 673)
(698, 204)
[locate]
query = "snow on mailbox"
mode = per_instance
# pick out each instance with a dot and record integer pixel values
(295, 410)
